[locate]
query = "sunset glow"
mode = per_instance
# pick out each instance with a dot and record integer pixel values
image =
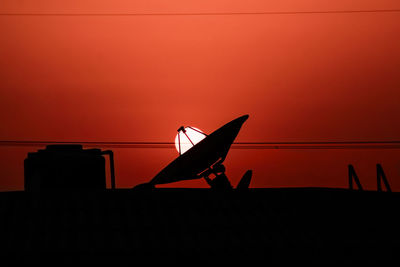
(104, 71)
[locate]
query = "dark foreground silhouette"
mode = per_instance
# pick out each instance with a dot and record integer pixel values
(199, 226)
(66, 214)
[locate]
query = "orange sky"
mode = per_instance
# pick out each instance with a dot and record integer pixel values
(305, 77)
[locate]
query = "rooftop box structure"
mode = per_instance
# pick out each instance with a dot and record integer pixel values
(67, 167)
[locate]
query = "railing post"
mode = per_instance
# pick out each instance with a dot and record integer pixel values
(353, 176)
(380, 176)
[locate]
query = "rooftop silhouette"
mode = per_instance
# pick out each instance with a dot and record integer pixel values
(66, 214)
(162, 226)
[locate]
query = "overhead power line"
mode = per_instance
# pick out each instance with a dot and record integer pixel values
(211, 13)
(237, 145)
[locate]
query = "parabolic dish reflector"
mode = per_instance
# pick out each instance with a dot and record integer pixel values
(202, 156)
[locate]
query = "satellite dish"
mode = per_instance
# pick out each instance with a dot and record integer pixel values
(203, 158)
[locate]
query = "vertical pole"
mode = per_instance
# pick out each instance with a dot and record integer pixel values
(112, 170)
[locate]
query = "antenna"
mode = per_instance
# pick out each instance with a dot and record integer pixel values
(204, 158)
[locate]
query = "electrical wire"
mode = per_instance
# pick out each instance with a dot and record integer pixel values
(210, 13)
(237, 145)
